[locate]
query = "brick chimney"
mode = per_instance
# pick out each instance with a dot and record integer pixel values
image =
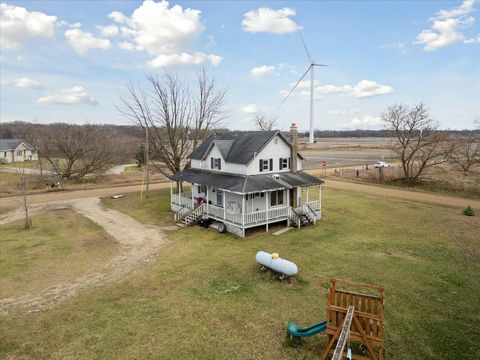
(294, 141)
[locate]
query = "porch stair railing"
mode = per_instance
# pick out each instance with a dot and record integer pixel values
(191, 216)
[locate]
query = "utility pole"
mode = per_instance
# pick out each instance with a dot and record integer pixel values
(146, 157)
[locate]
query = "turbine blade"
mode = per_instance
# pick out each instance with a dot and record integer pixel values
(305, 46)
(291, 91)
(315, 64)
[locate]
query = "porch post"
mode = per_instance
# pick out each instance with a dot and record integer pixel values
(192, 187)
(243, 213)
(288, 206)
(207, 188)
(224, 209)
(171, 191)
(307, 193)
(266, 207)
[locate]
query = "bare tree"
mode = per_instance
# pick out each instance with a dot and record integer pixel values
(178, 120)
(73, 150)
(263, 123)
(418, 143)
(466, 152)
(24, 182)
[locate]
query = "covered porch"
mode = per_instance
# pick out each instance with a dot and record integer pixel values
(249, 209)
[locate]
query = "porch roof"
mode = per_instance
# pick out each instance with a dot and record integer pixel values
(246, 183)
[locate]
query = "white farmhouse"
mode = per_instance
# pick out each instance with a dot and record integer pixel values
(246, 179)
(16, 150)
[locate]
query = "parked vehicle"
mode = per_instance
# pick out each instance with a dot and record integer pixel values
(381, 164)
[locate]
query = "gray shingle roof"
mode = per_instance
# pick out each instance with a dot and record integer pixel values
(12, 144)
(246, 183)
(236, 146)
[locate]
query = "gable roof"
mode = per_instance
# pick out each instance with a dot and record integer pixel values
(238, 147)
(12, 144)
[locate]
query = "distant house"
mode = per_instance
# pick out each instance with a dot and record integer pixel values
(16, 150)
(246, 179)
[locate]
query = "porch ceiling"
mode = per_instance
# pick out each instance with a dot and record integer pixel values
(246, 184)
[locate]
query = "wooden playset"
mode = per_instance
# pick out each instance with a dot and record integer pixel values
(354, 317)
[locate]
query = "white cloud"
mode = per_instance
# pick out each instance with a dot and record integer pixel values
(70, 96)
(270, 20)
(364, 88)
(446, 26)
(26, 83)
(17, 25)
(125, 45)
(262, 70)
(464, 9)
(473, 40)
(366, 122)
(343, 111)
(109, 30)
(183, 58)
(82, 42)
(249, 109)
(118, 17)
(166, 33)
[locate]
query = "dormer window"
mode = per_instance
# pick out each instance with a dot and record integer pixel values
(216, 163)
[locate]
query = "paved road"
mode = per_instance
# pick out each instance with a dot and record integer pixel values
(382, 191)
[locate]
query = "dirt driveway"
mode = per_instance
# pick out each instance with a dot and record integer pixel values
(138, 244)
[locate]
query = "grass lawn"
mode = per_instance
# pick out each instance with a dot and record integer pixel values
(154, 210)
(61, 246)
(204, 297)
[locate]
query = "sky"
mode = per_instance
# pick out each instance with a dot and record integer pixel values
(69, 61)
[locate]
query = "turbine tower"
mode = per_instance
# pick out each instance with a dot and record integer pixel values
(311, 137)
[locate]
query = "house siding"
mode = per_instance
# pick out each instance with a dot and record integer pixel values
(225, 167)
(272, 151)
(11, 155)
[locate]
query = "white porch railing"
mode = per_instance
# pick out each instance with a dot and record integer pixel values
(315, 204)
(182, 201)
(238, 218)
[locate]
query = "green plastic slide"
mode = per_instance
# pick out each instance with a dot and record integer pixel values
(294, 330)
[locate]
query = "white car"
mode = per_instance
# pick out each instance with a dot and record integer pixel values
(381, 164)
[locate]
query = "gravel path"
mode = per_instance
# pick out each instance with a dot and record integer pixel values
(118, 169)
(138, 244)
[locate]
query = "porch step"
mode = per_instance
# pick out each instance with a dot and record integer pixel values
(180, 224)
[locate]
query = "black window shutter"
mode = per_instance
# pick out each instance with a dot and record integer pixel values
(261, 165)
(219, 163)
(271, 164)
(280, 164)
(211, 163)
(289, 163)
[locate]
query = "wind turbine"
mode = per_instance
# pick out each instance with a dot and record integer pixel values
(311, 138)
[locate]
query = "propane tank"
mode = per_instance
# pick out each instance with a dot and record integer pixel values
(274, 262)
